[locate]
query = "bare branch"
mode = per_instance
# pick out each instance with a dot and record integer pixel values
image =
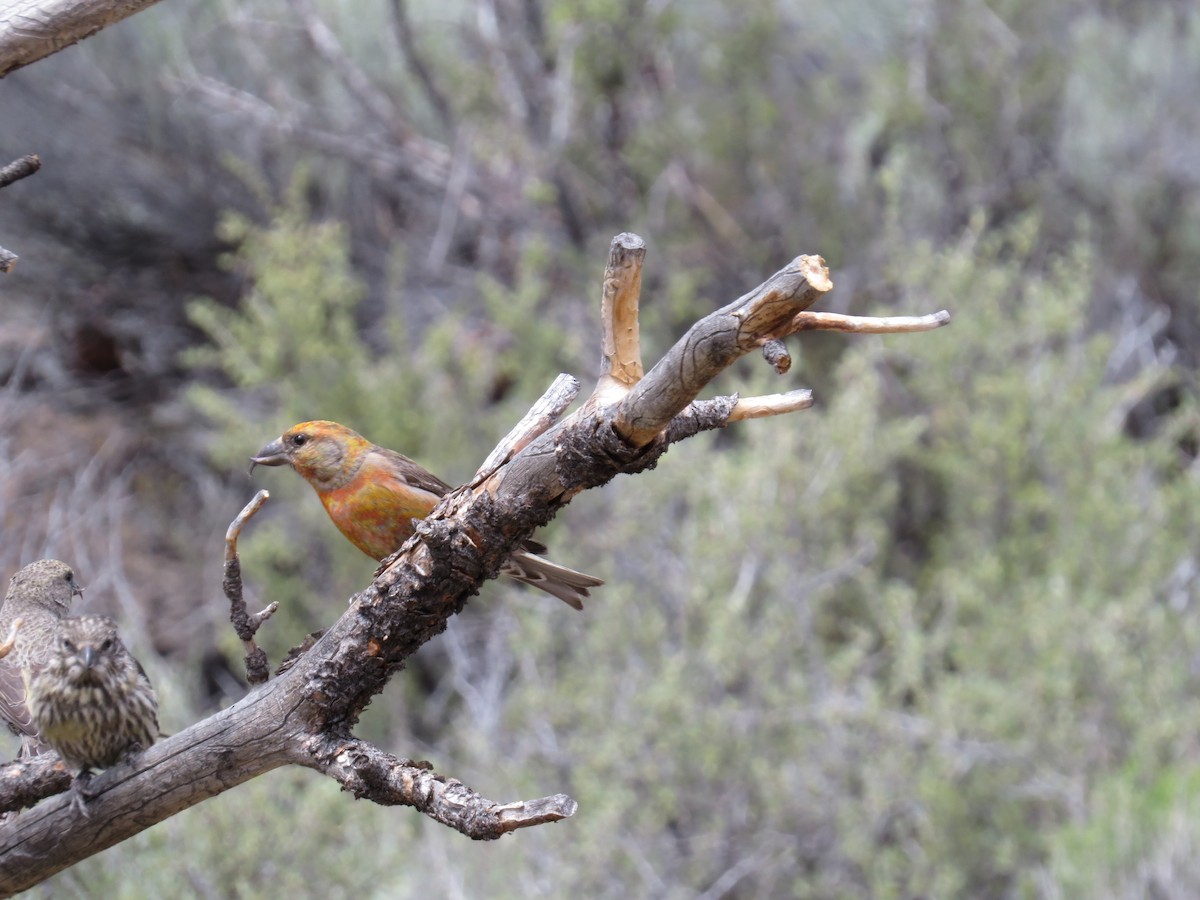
(416, 64)
(713, 343)
(19, 168)
(771, 405)
(33, 29)
(452, 199)
(245, 624)
(367, 772)
(621, 365)
(827, 321)
(776, 353)
(549, 408)
(236, 744)
(305, 716)
(430, 157)
(25, 782)
(701, 415)
(15, 171)
(706, 415)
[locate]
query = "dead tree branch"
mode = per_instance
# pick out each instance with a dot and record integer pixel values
(306, 716)
(33, 29)
(245, 624)
(561, 393)
(15, 171)
(19, 168)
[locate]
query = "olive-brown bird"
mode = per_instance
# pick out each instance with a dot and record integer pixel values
(373, 494)
(91, 700)
(39, 596)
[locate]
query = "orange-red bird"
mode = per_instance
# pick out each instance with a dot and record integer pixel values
(373, 494)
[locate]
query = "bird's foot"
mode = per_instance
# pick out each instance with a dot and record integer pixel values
(81, 792)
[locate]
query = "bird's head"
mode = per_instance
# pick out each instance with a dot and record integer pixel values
(86, 645)
(48, 583)
(325, 454)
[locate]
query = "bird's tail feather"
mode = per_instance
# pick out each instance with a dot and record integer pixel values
(566, 584)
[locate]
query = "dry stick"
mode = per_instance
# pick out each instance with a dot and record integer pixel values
(429, 159)
(416, 64)
(776, 353)
(621, 364)
(32, 29)
(246, 625)
(369, 773)
(549, 408)
(19, 168)
(15, 171)
(771, 405)
(827, 321)
(713, 343)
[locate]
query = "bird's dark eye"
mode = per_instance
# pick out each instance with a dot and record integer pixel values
(299, 440)
(69, 577)
(68, 645)
(106, 645)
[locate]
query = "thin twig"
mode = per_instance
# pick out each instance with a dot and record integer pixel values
(776, 353)
(246, 625)
(368, 772)
(561, 393)
(771, 405)
(19, 168)
(416, 64)
(827, 321)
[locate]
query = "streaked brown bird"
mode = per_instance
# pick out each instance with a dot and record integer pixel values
(372, 494)
(39, 595)
(91, 700)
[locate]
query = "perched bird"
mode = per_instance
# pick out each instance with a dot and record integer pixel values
(91, 700)
(373, 494)
(39, 596)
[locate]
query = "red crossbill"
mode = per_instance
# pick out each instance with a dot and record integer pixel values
(373, 494)
(91, 700)
(39, 595)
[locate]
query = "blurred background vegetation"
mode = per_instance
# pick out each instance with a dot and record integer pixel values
(936, 637)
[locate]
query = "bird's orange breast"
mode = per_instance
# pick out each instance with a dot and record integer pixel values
(375, 510)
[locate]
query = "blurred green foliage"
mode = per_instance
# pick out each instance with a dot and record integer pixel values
(935, 637)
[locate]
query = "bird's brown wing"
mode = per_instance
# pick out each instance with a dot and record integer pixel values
(412, 473)
(12, 701)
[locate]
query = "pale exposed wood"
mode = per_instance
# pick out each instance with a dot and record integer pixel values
(549, 408)
(713, 343)
(621, 363)
(33, 29)
(827, 321)
(771, 405)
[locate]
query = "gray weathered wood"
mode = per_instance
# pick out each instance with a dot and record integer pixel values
(33, 29)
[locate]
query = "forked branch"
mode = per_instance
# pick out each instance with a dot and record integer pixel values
(306, 715)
